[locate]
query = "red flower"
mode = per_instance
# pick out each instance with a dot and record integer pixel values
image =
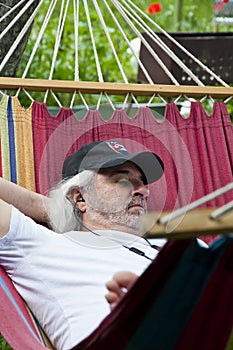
(225, 1)
(154, 8)
(218, 7)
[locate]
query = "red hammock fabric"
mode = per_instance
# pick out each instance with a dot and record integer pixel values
(15, 323)
(170, 308)
(197, 151)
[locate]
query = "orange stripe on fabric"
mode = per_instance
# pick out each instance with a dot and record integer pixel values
(4, 138)
(23, 145)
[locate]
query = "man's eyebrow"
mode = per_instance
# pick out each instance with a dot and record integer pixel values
(124, 172)
(120, 171)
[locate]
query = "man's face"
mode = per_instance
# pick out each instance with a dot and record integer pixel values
(118, 196)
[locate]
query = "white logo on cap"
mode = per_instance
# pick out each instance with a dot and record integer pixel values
(117, 147)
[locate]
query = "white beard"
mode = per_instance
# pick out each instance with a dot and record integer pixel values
(104, 212)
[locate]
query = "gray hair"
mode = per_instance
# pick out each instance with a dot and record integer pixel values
(60, 209)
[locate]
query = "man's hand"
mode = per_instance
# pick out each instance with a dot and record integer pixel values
(118, 286)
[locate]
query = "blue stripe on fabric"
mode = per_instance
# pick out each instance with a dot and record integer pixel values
(11, 136)
(10, 296)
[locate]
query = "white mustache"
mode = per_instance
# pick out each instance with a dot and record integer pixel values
(137, 201)
(133, 201)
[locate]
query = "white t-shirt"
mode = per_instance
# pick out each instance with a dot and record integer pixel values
(62, 276)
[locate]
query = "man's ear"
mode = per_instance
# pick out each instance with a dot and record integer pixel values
(78, 200)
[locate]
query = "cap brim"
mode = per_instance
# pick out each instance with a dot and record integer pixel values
(101, 157)
(148, 163)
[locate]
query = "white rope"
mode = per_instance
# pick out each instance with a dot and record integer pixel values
(195, 204)
(156, 95)
(132, 97)
(227, 99)
(218, 213)
(125, 101)
(99, 100)
(108, 98)
(150, 100)
(72, 99)
(110, 101)
(128, 14)
(162, 45)
(55, 98)
(99, 72)
(184, 96)
(76, 38)
(129, 44)
(139, 35)
(12, 9)
(110, 41)
(28, 95)
(97, 62)
(40, 35)
(21, 35)
(135, 100)
(76, 58)
(205, 97)
(8, 7)
(84, 101)
(195, 59)
(162, 99)
(21, 12)
(61, 23)
(74, 96)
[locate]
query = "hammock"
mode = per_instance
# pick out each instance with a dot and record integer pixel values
(14, 308)
(181, 310)
(196, 150)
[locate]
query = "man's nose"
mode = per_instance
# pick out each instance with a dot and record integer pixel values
(140, 190)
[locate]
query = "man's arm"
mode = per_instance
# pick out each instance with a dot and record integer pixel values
(28, 202)
(5, 216)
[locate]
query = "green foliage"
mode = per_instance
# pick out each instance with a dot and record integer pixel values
(3, 344)
(193, 16)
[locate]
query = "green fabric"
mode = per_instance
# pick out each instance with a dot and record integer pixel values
(168, 315)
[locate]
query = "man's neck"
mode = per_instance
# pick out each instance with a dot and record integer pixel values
(88, 226)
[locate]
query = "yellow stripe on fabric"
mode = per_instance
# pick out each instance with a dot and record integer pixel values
(23, 145)
(230, 342)
(5, 149)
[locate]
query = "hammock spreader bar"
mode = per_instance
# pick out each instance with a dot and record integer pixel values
(115, 88)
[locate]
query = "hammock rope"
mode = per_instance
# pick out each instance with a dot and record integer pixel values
(136, 20)
(60, 28)
(165, 48)
(22, 33)
(139, 62)
(139, 35)
(196, 204)
(110, 42)
(11, 9)
(40, 36)
(181, 47)
(218, 213)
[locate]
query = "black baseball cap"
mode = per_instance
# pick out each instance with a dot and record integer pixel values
(106, 154)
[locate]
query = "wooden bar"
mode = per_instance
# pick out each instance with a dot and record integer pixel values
(194, 223)
(86, 87)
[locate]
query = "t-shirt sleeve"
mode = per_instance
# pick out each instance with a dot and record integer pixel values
(24, 237)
